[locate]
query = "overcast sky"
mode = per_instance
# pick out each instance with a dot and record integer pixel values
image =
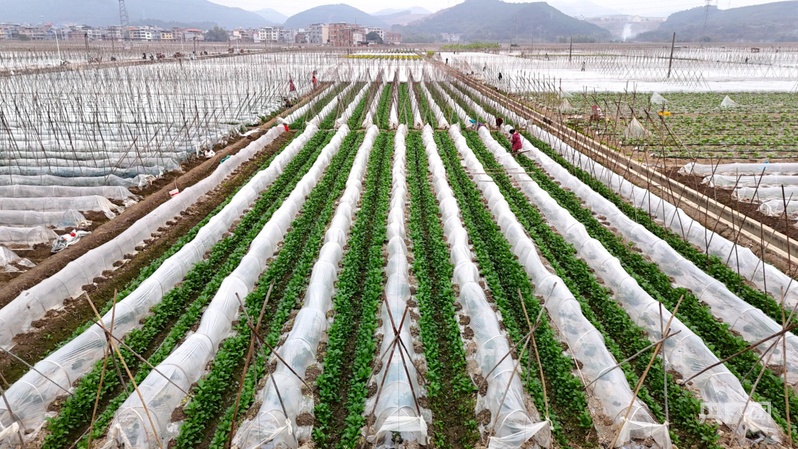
(644, 7)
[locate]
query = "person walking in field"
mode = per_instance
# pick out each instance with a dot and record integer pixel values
(499, 122)
(515, 140)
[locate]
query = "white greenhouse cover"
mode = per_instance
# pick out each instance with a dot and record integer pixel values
(59, 220)
(8, 257)
(184, 366)
(731, 182)
(25, 191)
(24, 238)
(740, 168)
(271, 427)
(635, 130)
(656, 98)
(93, 203)
(30, 396)
(512, 425)
(728, 103)
(396, 403)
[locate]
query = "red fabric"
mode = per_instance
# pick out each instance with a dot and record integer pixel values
(516, 141)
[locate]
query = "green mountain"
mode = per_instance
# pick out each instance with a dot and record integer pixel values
(106, 12)
(497, 21)
(771, 22)
(332, 14)
(272, 16)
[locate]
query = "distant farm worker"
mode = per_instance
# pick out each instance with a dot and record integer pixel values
(476, 124)
(500, 76)
(291, 86)
(313, 80)
(499, 122)
(583, 66)
(515, 140)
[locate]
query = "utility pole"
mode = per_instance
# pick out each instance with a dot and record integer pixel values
(123, 19)
(670, 62)
(571, 49)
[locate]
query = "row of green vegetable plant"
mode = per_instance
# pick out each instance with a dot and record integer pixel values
(405, 108)
(351, 342)
(506, 278)
(343, 103)
(289, 272)
(423, 106)
(384, 107)
(622, 337)
(313, 110)
(698, 317)
(448, 112)
(356, 119)
(449, 89)
(449, 388)
(175, 314)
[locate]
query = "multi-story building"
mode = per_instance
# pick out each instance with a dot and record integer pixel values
(380, 32)
(393, 38)
(319, 34)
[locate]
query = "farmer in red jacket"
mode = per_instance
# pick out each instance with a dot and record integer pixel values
(515, 139)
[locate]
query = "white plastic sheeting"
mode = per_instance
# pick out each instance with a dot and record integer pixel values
(94, 203)
(732, 182)
(186, 364)
(33, 303)
(584, 340)
(332, 105)
(344, 118)
(32, 394)
(302, 110)
(65, 219)
(436, 110)
(747, 321)
(761, 194)
(9, 258)
(723, 395)
(775, 208)
(741, 259)
(397, 409)
(52, 180)
(728, 102)
(511, 424)
(24, 191)
(24, 238)
(271, 427)
(418, 122)
(509, 116)
(740, 168)
(393, 117)
(451, 103)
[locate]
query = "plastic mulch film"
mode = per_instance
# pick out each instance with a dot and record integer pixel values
(302, 110)
(344, 118)
(512, 424)
(723, 396)
(747, 321)
(396, 408)
(584, 340)
(436, 110)
(332, 105)
(58, 220)
(25, 237)
(124, 171)
(761, 194)
(775, 208)
(33, 303)
(60, 204)
(741, 259)
(393, 119)
(24, 191)
(733, 182)
(187, 363)
(77, 181)
(32, 394)
(271, 427)
(9, 258)
(740, 168)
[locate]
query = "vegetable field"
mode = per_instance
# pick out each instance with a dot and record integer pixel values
(390, 276)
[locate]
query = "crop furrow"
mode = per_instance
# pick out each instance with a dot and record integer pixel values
(352, 343)
(505, 278)
(450, 389)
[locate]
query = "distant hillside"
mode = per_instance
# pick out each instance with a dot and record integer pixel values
(583, 8)
(771, 22)
(401, 17)
(412, 10)
(106, 12)
(332, 14)
(272, 16)
(495, 20)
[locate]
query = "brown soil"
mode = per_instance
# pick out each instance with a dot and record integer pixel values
(58, 325)
(305, 419)
(484, 417)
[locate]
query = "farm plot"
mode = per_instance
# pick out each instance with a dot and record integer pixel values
(375, 285)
